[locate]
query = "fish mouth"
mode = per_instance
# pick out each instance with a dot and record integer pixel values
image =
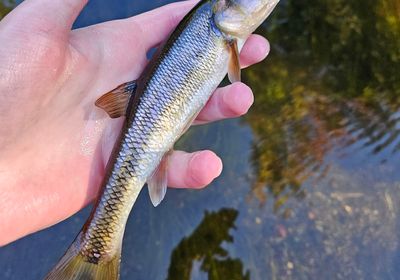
(240, 18)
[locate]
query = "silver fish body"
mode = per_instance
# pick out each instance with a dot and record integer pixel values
(178, 86)
(170, 93)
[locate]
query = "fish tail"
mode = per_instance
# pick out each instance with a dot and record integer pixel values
(75, 266)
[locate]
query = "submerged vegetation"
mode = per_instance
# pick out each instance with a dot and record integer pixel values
(331, 81)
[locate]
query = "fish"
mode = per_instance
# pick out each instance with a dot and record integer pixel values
(158, 108)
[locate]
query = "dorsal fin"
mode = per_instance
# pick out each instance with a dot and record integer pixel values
(115, 102)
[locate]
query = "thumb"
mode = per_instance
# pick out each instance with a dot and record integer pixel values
(53, 17)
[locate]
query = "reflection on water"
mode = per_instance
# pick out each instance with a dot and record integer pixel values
(332, 81)
(205, 245)
(310, 188)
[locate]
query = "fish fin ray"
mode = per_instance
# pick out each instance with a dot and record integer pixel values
(234, 72)
(115, 102)
(158, 181)
(75, 266)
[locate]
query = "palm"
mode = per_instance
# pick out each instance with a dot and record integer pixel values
(54, 142)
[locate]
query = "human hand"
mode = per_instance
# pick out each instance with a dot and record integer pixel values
(54, 143)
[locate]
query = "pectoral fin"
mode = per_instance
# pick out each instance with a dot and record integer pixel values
(234, 62)
(116, 101)
(157, 183)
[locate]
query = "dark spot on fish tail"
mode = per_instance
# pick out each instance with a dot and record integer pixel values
(93, 258)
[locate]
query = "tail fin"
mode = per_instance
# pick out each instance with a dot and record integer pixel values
(75, 266)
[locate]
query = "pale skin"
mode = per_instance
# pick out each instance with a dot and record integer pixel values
(54, 143)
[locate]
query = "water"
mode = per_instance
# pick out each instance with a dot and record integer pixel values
(310, 187)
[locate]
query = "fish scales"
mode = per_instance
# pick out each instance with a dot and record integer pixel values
(177, 89)
(168, 95)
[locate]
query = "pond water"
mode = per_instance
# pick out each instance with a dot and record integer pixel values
(311, 181)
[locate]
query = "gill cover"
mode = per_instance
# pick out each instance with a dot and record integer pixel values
(240, 18)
